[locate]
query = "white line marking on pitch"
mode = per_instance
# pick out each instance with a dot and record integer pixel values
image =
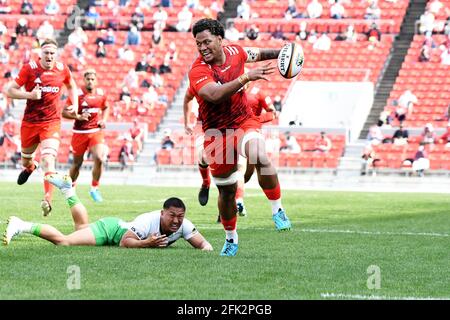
(370, 233)
(374, 297)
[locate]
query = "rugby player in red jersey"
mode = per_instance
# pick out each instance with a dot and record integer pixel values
(217, 78)
(42, 80)
(90, 119)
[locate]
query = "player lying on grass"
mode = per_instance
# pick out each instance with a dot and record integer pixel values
(156, 229)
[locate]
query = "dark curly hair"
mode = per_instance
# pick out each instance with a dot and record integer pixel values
(214, 26)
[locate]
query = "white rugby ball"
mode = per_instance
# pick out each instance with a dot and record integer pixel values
(290, 60)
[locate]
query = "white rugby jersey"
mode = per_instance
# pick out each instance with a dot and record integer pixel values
(148, 223)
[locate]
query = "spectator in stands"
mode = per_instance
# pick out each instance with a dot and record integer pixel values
(100, 52)
(322, 143)
(27, 7)
(426, 22)
(142, 66)
(429, 41)
(314, 9)
(184, 20)
(445, 138)
(337, 10)
(79, 53)
(137, 134)
(428, 134)
(405, 105)
(22, 27)
(147, 4)
(167, 143)
(165, 66)
(374, 33)
(126, 54)
(160, 18)
(4, 56)
(400, 137)
(291, 145)
(421, 161)
(445, 57)
(216, 9)
(323, 43)
(156, 80)
(93, 19)
(252, 32)
(4, 7)
(373, 12)
(133, 37)
(45, 31)
(244, 10)
(425, 54)
(137, 18)
(278, 34)
(375, 136)
(312, 38)
(232, 34)
(13, 44)
(52, 8)
(385, 118)
(435, 6)
(157, 38)
(78, 37)
(131, 80)
(149, 99)
(123, 3)
(126, 153)
(370, 160)
(291, 11)
(350, 34)
(302, 33)
(114, 19)
(110, 37)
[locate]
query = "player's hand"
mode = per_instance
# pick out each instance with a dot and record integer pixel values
(261, 72)
(276, 114)
(84, 116)
(71, 108)
(36, 94)
(188, 129)
(156, 241)
(101, 124)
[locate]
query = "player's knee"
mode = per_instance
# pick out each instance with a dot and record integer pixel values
(61, 241)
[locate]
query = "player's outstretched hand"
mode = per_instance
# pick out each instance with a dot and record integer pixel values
(101, 124)
(36, 94)
(156, 241)
(261, 72)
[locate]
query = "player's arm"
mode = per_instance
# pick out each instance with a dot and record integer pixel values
(199, 242)
(261, 54)
(131, 240)
(187, 107)
(73, 94)
(70, 113)
(105, 115)
(217, 93)
(13, 91)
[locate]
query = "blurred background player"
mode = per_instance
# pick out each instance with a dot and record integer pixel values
(217, 78)
(43, 81)
(156, 229)
(90, 119)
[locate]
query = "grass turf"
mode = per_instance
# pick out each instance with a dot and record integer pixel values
(336, 236)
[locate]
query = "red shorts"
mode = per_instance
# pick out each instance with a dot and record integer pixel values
(34, 133)
(222, 151)
(81, 142)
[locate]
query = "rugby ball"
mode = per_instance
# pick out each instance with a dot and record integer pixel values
(290, 60)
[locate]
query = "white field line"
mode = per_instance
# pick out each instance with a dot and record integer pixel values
(358, 232)
(375, 297)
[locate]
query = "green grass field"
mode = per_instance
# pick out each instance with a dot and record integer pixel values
(336, 237)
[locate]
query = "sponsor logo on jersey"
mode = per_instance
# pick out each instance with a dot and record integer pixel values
(37, 80)
(84, 104)
(50, 89)
(201, 79)
(90, 110)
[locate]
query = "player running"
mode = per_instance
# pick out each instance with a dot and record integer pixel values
(43, 80)
(156, 229)
(217, 78)
(90, 119)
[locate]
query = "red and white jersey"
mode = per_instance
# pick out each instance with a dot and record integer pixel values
(48, 108)
(230, 113)
(92, 103)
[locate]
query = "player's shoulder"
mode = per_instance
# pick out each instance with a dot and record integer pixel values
(31, 65)
(233, 49)
(100, 92)
(60, 66)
